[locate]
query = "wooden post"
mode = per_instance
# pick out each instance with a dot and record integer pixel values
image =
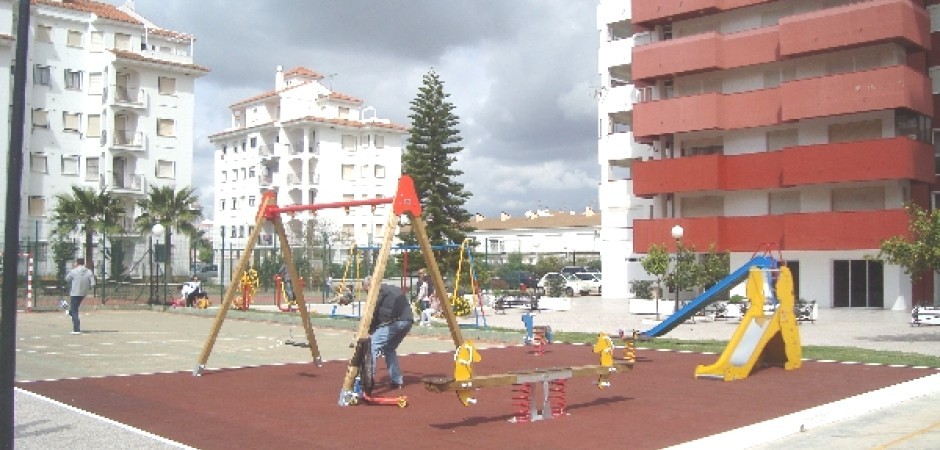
(439, 289)
(345, 395)
(233, 285)
(297, 286)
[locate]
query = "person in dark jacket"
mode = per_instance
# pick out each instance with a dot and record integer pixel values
(391, 322)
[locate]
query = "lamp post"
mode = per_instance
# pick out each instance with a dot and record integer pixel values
(151, 285)
(157, 231)
(677, 233)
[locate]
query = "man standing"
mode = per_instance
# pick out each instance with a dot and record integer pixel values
(391, 322)
(82, 280)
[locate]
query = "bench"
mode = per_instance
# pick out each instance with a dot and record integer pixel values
(512, 299)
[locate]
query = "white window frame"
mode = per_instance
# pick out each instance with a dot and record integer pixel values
(38, 162)
(73, 79)
(166, 85)
(165, 169)
(75, 39)
(93, 125)
(71, 122)
(70, 165)
(44, 33)
(379, 171)
(120, 43)
(42, 75)
(92, 168)
(348, 172)
(166, 127)
(40, 118)
(36, 206)
(96, 42)
(348, 142)
(379, 141)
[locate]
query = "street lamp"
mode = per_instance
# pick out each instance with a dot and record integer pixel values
(158, 231)
(677, 233)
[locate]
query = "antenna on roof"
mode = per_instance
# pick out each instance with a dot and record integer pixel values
(329, 79)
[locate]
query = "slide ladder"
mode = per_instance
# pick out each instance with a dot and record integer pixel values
(775, 340)
(708, 297)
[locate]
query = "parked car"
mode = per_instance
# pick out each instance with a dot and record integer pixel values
(575, 269)
(512, 281)
(590, 282)
(205, 271)
(571, 283)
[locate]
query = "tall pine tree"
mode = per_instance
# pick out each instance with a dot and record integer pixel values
(429, 157)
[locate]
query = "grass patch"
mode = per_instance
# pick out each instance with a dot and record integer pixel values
(853, 354)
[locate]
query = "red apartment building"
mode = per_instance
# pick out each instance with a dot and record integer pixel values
(805, 124)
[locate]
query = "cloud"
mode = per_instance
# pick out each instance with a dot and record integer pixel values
(520, 74)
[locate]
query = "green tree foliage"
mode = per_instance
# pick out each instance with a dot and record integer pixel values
(711, 268)
(917, 253)
(86, 211)
(546, 264)
(63, 251)
(433, 145)
(656, 263)
(171, 208)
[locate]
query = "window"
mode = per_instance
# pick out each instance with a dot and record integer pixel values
(91, 169)
(780, 139)
(166, 85)
(93, 125)
(166, 127)
(40, 118)
(349, 142)
(71, 121)
(70, 165)
(913, 125)
(42, 75)
(222, 204)
(241, 231)
(254, 142)
(784, 202)
(95, 83)
(234, 204)
(244, 173)
(224, 176)
(43, 33)
(858, 199)
(365, 171)
(251, 200)
(348, 230)
(348, 197)
(166, 169)
(38, 163)
(251, 172)
(37, 206)
(75, 39)
(855, 131)
(366, 140)
(379, 171)
(343, 112)
(122, 41)
(234, 232)
(704, 206)
(73, 79)
(349, 171)
(379, 141)
(97, 41)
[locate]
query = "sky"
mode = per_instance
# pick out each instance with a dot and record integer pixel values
(521, 75)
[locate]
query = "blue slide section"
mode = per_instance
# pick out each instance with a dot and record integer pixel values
(706, 297)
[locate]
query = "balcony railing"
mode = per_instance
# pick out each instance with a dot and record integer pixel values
(127, 97)
(128, 183)
(129, 140)
(293, 179)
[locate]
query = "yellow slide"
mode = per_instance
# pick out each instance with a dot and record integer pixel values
(774, 340)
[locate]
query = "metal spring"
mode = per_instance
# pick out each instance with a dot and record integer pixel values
(558, 396)
(521, 401)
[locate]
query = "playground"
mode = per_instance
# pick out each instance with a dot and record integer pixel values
(259, 394)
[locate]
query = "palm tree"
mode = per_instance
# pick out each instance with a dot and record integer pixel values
(172, 209)
(86, 211)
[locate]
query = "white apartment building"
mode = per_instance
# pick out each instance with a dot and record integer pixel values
(109, 105)
(617, 150)
(310, 145)
(571, 236)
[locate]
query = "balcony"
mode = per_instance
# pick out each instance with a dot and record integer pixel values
(620, 146)
(619, 194)
(855, 230)
(897, 158)
(266, 180)
(615, 53)
(616, 99)
(314, 178)
(126, 97)
(130, 141)
(267, 153)
(652, 12)
(294, 179)
(704, 52)
(871, 90)
(128, 183)
(856, 24)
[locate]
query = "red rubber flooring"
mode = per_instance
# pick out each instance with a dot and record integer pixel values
(656, 405)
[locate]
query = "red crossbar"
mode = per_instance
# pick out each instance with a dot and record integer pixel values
(272, 211)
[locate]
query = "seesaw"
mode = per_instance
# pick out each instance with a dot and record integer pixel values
(553, 380)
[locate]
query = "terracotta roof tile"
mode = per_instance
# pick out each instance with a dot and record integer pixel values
(304, 72)
(102, 10)
(554, 221)
(348, 123)
(336, 96)
(121, 54)
(169, 33)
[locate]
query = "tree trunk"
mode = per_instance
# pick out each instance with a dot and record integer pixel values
(89, 250)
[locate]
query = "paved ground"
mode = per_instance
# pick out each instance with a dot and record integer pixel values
(148, 342)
